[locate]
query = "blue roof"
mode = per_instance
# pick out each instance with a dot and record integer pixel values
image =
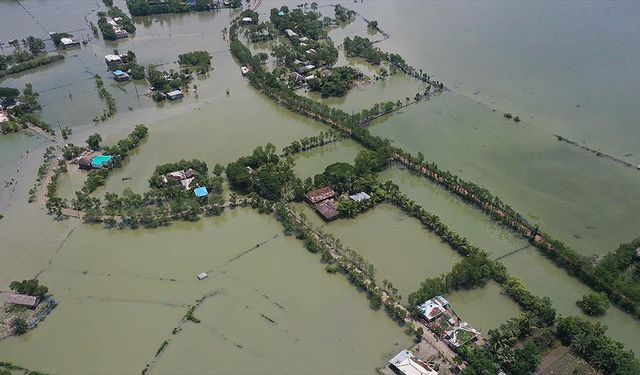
(201, 191)
(281, 13)
(99, 160)
(118, 72)
(190, 2)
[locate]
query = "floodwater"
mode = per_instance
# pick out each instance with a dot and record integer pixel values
(484, 308)
(544, 278)
(121, 294)
(397, 246)
(314, 161)
(588, 202)
(566, 68)
(460, 216)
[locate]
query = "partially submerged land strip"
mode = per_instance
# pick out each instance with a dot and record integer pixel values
(561, 254)
(598, 153)
(31, 64)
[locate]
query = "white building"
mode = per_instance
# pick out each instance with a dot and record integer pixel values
(290, 33)
(68, 42)
(112, 59)
(360, 197)
(405, 363)
(433, 307)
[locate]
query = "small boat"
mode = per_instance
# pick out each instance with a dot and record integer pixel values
(202, 275)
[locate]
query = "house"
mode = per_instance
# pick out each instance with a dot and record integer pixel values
(186, 183)
(280, 14)
(24, 300)
(295, 76)
(306, 68)
(201, 192)
(328, 209)
(202, 275)
(433, 307)
(190, 2)
(303, 39)
(180, 175)
(405, 363)
(3, 117)
(297, 62)
(637, 249)
(461, 334)
(324, 73)
(100, 161)
(360, 197)
(69, 43)
(174, 95)
(303, 44)
(246, 20)
(112, 60)
(244, 70)
(318, 195)
(85, 163)
(290, 33)
(310, 51)
(120, 76)
(309, 77)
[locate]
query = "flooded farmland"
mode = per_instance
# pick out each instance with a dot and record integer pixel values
(270, 305)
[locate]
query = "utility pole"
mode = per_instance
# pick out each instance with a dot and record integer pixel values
(137, 95)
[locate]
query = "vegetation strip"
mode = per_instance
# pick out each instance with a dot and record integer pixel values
(563, 256)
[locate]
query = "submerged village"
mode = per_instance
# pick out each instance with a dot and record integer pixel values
(291, 56)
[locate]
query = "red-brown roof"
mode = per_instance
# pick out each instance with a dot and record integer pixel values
(327, 209)
(319, 195)
(23, 299)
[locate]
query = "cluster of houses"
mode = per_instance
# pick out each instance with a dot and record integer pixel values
(116, 25)
(440, 317)
(186, 177)
(325, 204)
(305, 71)
(114, 63)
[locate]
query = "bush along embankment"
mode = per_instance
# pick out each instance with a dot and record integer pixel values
(119, 152)
(309, 143)
(108, 99)
(562, 255)
(339, 258)
(470, 192)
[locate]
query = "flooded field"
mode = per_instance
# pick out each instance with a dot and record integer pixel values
(484, 308)
(565, 189)
(273, 308)
(544, 278)
(314, 161)
(127, 290)
(460, 216)
(400, 250)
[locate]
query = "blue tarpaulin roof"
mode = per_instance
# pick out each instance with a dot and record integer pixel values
(281, 13)
(201, 191)
(99, 160)
(118, 72)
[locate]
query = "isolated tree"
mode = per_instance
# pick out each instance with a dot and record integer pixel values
(94, 141)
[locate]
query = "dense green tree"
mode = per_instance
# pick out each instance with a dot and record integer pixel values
(30, 287)
(94, 141)
(594, 303)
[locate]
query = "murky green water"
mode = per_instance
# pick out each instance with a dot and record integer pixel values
(117, 314)
(484, 308)
(122, 292)
(314, 161)
(460, 216)
(569, 191)
(400, 250)
(543, 278)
